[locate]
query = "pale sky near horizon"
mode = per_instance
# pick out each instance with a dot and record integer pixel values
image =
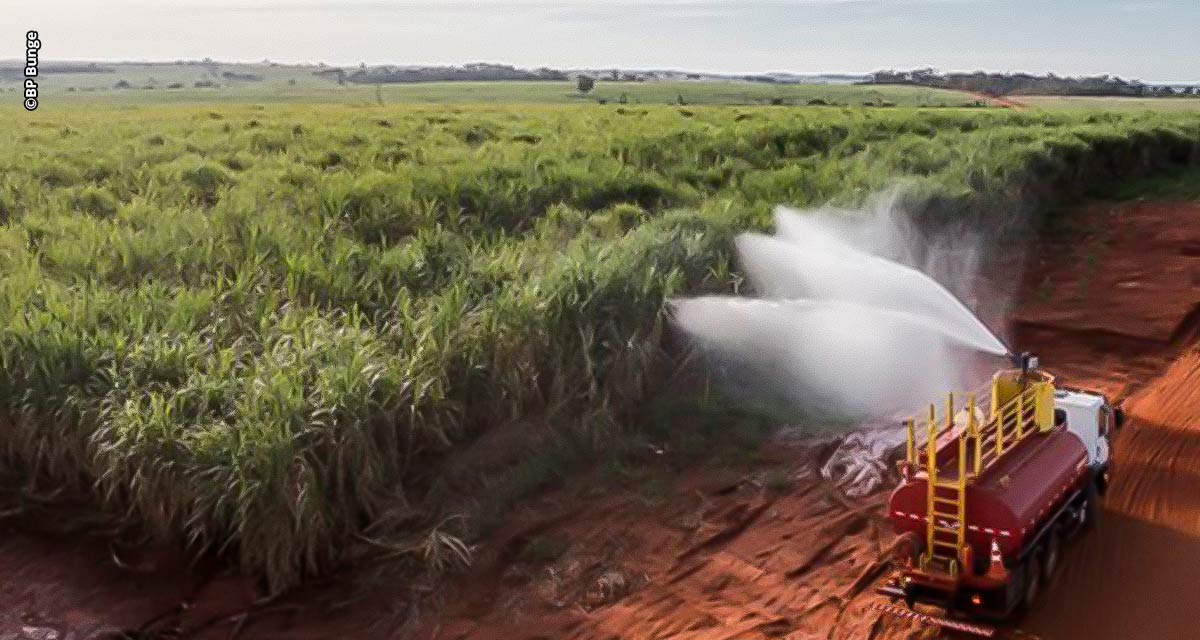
(1152, 40)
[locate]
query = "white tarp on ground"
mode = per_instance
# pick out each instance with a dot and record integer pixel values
(859, 465)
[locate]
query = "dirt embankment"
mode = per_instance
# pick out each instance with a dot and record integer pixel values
(773, 553)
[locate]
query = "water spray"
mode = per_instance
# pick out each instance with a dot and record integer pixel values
(842, 320)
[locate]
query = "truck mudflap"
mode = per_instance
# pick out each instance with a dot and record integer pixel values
(937, 621)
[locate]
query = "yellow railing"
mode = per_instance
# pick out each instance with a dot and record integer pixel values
(1010, 422)
(946, 422)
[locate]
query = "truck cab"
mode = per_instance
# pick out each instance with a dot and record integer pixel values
(1090, 417)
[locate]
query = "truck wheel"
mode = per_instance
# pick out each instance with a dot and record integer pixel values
(1032, 586)
(1051, 556)
(1091, 507)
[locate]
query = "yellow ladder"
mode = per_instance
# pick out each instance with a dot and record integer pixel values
(946, 506)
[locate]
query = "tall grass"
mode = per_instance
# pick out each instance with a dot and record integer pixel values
(265, 331)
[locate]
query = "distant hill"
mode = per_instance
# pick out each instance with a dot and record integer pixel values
(211, 80)
(208, 70)
(12, 69)
(774, 77)
(481, 72)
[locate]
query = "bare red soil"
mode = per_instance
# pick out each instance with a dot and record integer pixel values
(719, 561)
(1125, 321)
(1112, 302)
(774, 552)
(49, 584)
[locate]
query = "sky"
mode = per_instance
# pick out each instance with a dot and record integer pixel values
(1151, 40)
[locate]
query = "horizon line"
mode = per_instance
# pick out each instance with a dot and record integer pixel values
(294, 63)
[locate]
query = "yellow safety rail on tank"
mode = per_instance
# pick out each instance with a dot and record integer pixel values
(1018, 409)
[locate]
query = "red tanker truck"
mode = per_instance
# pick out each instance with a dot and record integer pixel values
(990, 490)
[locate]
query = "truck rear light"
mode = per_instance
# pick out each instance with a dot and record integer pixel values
(976, 599)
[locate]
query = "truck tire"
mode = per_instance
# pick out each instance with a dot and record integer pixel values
(1091, 507)
(1031, 581)
(1051, 556)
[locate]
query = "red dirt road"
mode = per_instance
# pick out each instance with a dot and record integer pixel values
(772, 553)
(1119, 324)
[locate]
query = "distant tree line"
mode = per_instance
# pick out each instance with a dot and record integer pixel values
(471, 72)
(1006, 84)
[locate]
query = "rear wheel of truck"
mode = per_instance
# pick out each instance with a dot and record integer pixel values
(1091, 507)
(1051, 555)
(1032, 580)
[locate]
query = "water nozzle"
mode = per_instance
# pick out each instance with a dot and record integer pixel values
(1026, 362)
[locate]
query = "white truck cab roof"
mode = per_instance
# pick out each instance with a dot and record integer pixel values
(1064, 398)
(1089, 417)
